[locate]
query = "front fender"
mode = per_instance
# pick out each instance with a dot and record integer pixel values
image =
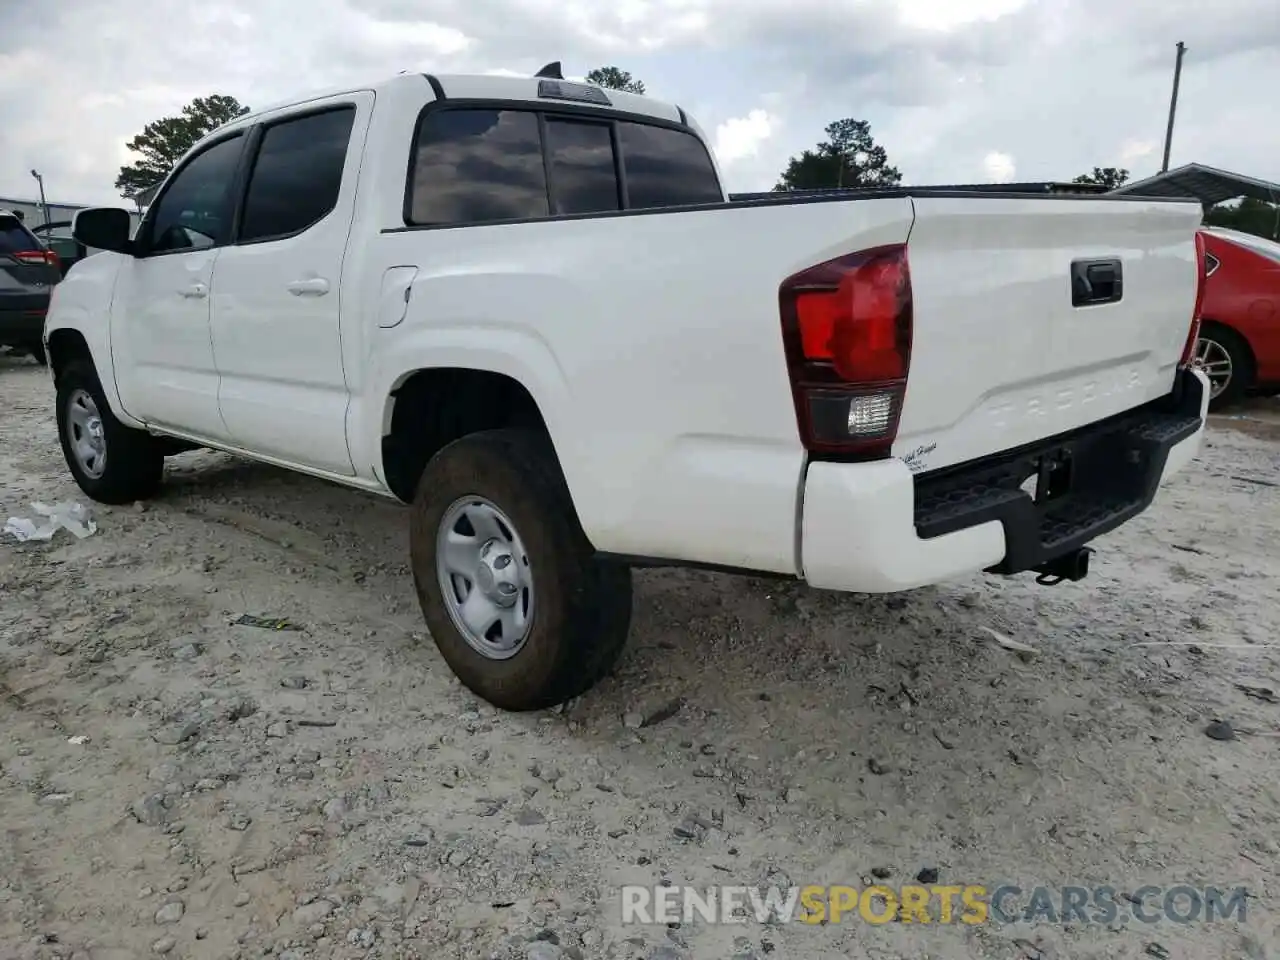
(81, 302)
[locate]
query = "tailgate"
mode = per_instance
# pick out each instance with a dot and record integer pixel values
(1001, 355)
(25, 279)
(24, 292)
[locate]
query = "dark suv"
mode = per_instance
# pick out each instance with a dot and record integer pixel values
(28, 272)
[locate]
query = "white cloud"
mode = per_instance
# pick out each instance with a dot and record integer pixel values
(999, 167)
(741, 137)
(1134, 151)
(430, 37)
(949, 14)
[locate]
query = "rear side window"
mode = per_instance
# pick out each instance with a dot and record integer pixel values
(14, 237)
(582, 168)
(665, 167)
(476, 166)
(297, 174)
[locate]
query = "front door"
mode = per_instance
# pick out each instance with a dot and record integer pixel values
(160, 311)
(276, 291)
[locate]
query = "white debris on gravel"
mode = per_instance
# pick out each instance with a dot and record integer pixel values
(754, 733)
(69, 515)
(1023, 650)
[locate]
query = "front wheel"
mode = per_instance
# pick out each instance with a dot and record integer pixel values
(111, 463)
(515, 598)
(1226, 360)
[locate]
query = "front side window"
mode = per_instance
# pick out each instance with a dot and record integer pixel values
(194, 213)
(477, 166)
(665, 167)
(582, 167)
(297, 174)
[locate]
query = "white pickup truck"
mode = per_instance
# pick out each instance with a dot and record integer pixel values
(526, 308)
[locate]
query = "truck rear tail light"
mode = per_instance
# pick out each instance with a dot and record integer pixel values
(1202, 274)
(846, 327)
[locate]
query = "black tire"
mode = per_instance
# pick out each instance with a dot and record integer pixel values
(582, 611)
(1242, 367)
(38, 354)
(133, 462)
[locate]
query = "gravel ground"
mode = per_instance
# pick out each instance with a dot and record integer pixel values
(332, 791)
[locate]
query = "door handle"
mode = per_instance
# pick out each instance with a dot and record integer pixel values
(196, 291)
(316, 287)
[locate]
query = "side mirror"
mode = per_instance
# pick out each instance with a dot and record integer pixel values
(106, 228)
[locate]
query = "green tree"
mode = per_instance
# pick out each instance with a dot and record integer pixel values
(1258, 217)
(161, 144)
(1109, 177)
(615, 79)
(849, 157)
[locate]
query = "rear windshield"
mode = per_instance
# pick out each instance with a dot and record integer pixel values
(665, 167)
(483, 165)
(14, 237)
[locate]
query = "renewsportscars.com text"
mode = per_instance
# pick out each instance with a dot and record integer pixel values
(950, 904)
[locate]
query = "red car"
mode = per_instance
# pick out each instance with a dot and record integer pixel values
(1239, 345)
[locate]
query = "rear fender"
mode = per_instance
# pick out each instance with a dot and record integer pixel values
(516, 352)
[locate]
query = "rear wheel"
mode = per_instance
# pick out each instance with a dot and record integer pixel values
(38, 354)
(1226, 360)
(515, 598)
(111, 463)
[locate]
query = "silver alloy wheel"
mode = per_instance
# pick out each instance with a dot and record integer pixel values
(1213, 358)
(485, 577)
(84, 429)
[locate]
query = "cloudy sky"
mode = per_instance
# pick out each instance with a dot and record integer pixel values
(956, 90)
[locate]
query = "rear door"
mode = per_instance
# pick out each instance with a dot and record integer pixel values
(277, 294)
(1032, 317)
(27, 274)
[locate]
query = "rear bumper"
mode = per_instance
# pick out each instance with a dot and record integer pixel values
(876, 528)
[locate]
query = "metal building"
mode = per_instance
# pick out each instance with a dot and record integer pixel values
(33, 212)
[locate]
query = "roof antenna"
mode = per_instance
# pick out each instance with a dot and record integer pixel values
(551, 71)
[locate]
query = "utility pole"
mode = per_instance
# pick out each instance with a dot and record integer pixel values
(1173, 105)
(44, 204)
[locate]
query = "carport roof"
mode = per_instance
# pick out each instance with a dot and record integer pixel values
(1209, 185)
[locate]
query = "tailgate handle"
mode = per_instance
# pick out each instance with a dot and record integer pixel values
(1096, 281)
